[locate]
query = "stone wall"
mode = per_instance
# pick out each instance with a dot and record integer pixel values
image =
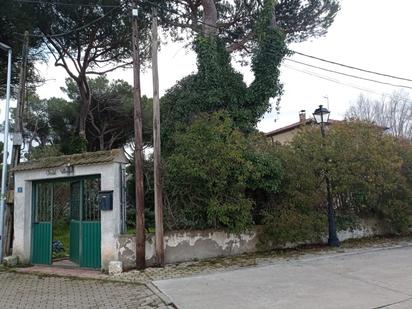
(182, 246)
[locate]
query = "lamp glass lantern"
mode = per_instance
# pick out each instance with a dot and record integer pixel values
(321, 115)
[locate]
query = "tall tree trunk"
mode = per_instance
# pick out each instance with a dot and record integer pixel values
(101, 141)
(85, 102)
(273, 23)
(209, 18)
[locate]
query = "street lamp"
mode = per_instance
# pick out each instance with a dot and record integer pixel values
(5, 147)
(321, 116)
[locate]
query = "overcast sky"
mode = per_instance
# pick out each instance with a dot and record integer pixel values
(371, 34)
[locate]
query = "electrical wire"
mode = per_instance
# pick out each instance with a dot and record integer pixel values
(201, 22)
(351, 67)
(66, 4)
(330, 79)
(348, 75)
(81, 27)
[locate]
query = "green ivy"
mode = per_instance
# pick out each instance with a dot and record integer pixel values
(217, 86)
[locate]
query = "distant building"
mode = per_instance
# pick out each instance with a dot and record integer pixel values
(286, 134)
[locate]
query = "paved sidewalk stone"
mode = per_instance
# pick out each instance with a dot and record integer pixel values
(35, 291)
(131, 289)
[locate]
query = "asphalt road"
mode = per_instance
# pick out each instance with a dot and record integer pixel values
(373, 278)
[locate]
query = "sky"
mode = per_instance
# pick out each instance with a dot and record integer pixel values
(370, 34)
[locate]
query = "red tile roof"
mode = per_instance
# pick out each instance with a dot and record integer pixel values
(294, 126)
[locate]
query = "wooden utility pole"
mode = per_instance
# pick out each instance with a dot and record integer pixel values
(18, 130)
(138, 151)
(159, 242)
(16, 150)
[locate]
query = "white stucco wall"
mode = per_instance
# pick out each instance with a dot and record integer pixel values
(182, 246)
(110, 220)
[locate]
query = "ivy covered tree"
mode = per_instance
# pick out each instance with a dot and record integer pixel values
(209, 118)
(262, 29)
(217, 85)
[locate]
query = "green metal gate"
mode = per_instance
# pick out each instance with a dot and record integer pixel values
(42, 223)
(85, 227)
(75, 220)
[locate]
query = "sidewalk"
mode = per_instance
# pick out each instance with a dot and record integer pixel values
(223, 264)
(18, 290)
(54, 287)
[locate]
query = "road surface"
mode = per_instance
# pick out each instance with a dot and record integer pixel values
(372, 278)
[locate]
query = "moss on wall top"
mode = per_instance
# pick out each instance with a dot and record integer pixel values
(74, 159)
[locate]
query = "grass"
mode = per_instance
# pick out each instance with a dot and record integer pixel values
(61, 231)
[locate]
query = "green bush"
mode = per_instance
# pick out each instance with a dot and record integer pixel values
(370, 175)
(397, 213)
(212, 167)
(291, 225)
(148, 196)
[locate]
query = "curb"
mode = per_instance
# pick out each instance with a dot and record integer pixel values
(166, 299)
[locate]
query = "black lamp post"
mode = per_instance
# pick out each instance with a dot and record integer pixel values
(321, 116)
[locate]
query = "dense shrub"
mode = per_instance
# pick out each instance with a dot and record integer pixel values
(295, 213)
(148, 196)
(293, 225)
(370, 176)
(212, 167)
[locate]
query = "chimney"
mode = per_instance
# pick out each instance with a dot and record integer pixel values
(302, 116)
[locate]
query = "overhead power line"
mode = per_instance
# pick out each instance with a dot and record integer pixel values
(330, 79)
(348, 75)
(66, 4)
(352, 67)
(201, 22)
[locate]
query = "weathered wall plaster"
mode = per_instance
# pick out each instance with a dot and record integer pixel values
(182, 246)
